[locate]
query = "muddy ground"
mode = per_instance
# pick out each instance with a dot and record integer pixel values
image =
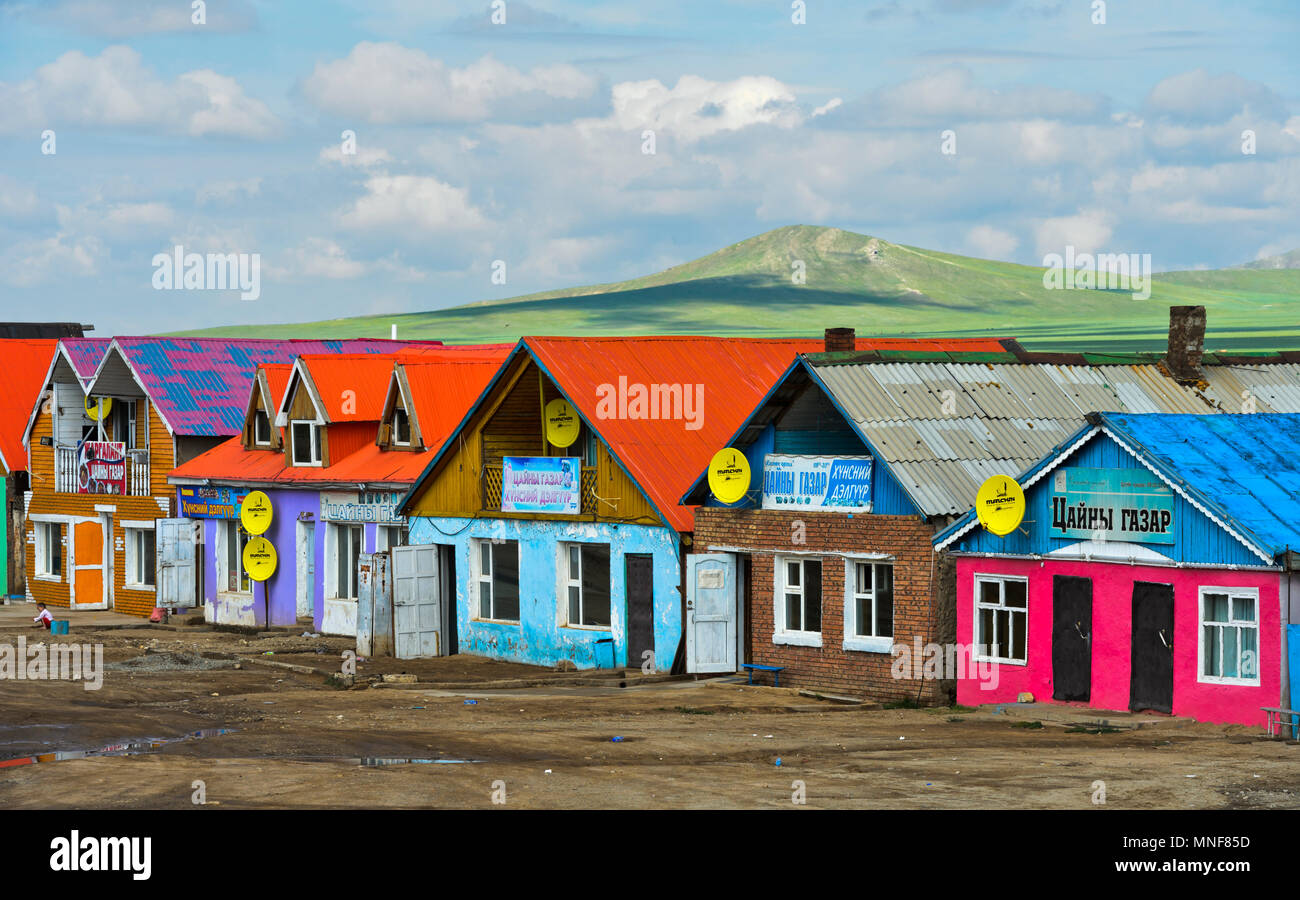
(291, 739)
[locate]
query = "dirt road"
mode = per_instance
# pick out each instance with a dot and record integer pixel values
(275, 737)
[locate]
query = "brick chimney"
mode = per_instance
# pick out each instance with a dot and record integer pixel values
(1186, 341)
(840, 339)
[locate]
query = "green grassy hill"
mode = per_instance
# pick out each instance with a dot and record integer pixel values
(855, 280)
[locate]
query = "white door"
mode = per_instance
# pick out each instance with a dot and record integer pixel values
(174, 552)
(710, 612)
(417, 622)
(306, 569)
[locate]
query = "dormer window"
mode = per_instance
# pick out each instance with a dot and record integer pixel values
(401, 428)
(261, 428)
(306, 442)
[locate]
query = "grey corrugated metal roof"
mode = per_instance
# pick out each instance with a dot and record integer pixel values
(1001, 418)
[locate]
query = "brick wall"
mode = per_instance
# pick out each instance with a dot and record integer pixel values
(916, 583)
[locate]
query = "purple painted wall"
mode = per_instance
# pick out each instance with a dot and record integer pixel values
(282, 587)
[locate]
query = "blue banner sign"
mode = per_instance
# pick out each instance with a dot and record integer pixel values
(549, 484)
(210, 502)
(836, 483)
(1112, 505)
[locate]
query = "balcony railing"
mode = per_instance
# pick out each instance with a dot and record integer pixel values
(73, 476)
(490, 489)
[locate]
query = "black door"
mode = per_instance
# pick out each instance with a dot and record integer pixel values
(640, 609)
(1071, 638)
(1151, 684)
(447, 558)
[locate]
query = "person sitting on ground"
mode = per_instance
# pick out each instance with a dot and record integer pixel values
(43, 618)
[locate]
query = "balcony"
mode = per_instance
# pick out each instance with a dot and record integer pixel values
(105, 469)
(490, 489)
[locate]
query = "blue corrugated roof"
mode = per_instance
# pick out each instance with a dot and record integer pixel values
(1245, 468)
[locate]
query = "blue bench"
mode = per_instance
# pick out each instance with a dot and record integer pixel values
(775, 670)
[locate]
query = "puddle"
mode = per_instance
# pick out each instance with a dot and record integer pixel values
(376, 761)
(127, 748)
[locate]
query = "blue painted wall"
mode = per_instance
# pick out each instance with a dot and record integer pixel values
(538, 638)
(887, 496)
(1197, 539)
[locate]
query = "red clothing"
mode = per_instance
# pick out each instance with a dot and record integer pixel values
(45, 619)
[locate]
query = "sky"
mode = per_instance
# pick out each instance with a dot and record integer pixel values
(579, 143)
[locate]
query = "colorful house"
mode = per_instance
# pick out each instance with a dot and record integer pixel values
(112, 420)
(826, 568)
(558, 493)
(1156, 569)
(25, 363)
(334, 440)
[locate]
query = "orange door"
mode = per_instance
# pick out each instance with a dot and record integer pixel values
(88, 572)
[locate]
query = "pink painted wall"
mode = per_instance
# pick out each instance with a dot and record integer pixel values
(1112, 603)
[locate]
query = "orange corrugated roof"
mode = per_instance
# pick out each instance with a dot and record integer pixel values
(25, 363)
(444, 386)
(350, 385)
(277, 379)
(663, 456)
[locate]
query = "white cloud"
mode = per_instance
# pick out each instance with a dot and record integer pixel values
(16, 198)
(992, 243)
(315, 258)
(364, 158)
(696, 108)
(116, 90)
(37, 261)
(1087, 232)
(122, 18)
(413, 201)
(224, 192)
(388, 83)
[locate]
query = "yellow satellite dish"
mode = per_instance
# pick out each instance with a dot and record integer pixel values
(562, 423)
(259, 559)
(255, 512)
(729, 475)
(98, 406)
(1000, 505)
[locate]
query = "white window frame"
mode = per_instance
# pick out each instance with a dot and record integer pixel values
(43, 572)
(567, 581)
(225, 528)
(381, 537)
(333, 531)
(396, 442)
(1201, 624)
(976, 645)
(781, 633)
(134, 533)
(260, 415)
(314, 430)
(481, 578)
(853, 640)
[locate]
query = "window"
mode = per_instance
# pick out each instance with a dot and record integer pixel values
(498, 580)
(591, 449)
(585, 573)
(261, 428)
(124, 422)
(347, 554)
(401, 428)
(869, 606)
(1229, 635)
(49, 550)
(799, 601)
(391, 536)
(140, 557)
(1001, 618)
(230, 558)
(306, 443)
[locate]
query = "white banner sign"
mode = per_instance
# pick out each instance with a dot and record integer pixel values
(835, 483)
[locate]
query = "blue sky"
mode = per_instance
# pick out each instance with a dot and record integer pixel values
(522, 142)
